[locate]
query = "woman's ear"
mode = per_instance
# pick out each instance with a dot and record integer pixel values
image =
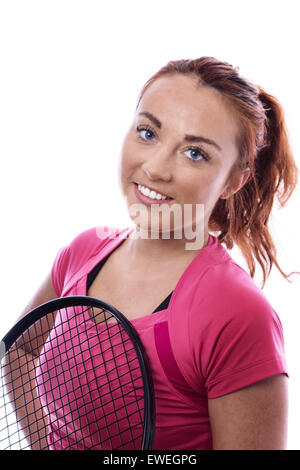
(236, 182)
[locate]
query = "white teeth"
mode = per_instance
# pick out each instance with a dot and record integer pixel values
(151, 194)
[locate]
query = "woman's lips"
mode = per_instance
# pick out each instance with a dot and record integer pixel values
(147, 200)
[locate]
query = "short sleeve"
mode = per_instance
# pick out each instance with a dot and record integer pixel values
(71, 257)
(75, 256)
(248, 348)
(59, 269)
(236, 337)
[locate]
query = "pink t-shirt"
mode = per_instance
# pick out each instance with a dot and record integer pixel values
(218, 334)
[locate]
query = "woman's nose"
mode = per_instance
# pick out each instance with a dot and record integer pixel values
(158, 166)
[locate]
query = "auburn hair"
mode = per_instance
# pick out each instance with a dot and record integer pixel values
(263, 146)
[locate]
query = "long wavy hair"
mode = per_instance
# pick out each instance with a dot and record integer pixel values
(263, 145)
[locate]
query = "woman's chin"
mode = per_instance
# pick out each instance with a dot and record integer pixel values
(157, 230)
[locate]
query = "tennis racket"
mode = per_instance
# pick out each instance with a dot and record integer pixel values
(75, 376)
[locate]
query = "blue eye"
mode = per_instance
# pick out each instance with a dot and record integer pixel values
(198, 152)
(147, 131)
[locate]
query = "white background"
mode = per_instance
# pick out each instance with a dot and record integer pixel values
(70, 76)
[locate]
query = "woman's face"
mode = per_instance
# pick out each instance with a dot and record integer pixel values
(160, 152)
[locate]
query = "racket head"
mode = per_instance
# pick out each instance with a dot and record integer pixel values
(93, 384)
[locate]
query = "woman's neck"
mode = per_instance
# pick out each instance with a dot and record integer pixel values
(141, 250)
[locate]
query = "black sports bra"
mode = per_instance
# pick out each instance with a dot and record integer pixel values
(95, 271)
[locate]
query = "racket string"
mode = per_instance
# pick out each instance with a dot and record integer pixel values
(87, 389)
(25, 403)
(114, 358)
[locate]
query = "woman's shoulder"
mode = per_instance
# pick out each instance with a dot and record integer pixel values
(231, 289)
(223, 289)
(90, 241)
(86, 245)
(228, 327)
(229, 306)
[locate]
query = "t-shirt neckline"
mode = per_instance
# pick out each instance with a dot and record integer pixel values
(116, 241)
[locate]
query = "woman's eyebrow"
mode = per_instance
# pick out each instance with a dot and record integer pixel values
(152, 118)
(187, 137)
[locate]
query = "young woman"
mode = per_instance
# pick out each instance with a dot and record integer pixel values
(202, 136)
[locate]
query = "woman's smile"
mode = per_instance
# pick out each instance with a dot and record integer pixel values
(149, 196)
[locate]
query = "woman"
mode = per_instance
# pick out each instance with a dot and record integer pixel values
(202, 137)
